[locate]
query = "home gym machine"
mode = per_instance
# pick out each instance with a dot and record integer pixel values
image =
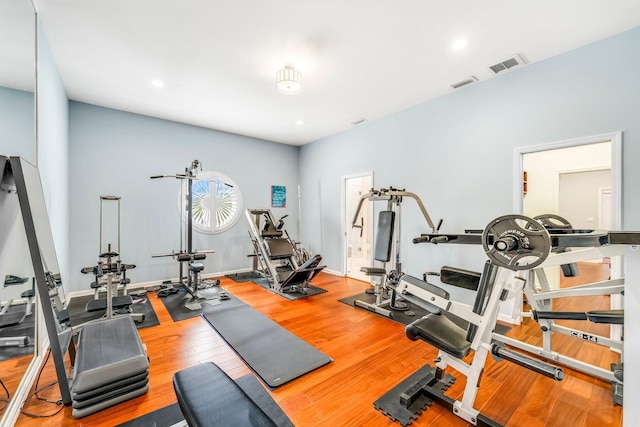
(386, 249)
(508, 239)
(277, 256)
(517, 247)
(110, 272)
(192, 282)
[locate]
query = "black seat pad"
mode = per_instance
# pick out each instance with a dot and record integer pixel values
(441, 332)
(208, 397)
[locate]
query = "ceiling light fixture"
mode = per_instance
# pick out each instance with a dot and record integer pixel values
(459, 44)
(299, 122)
(289, 79)
(157, 83)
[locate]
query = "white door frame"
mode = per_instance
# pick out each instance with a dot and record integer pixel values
(616, 191)
(346, 222)
(616, 168)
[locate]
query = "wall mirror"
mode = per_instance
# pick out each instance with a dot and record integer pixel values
(17, 138)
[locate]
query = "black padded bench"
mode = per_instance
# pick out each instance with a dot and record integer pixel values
(208, 396)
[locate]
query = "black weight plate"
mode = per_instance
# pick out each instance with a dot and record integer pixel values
(519, 242)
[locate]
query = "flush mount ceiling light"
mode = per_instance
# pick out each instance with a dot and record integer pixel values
(289, 80)
(459, 44)
(157, 83)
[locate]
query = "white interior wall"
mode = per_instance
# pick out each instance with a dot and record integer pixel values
(542, 173)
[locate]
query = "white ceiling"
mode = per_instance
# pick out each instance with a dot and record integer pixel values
(359, 58)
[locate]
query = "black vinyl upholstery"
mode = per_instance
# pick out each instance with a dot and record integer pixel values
(459, 277)
(442, 333)
(384, 237)
(208, 397)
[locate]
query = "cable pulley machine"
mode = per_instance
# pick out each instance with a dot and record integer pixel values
(187, 253)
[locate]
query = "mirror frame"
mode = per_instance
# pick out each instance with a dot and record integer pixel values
(12, 410)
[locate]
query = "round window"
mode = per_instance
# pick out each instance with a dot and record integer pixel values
(217, 202)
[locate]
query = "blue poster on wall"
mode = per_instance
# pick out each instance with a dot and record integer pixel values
(278, 196)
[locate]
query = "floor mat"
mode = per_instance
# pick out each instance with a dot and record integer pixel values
(170, 415)
(26, 329)
(79, 315)
(291, 296)
(403, 318)
(276, 355)
(178, 304)
(246, 276)
(389, 404)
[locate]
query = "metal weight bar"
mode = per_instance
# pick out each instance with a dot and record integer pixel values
(516, 242)
(500, 352)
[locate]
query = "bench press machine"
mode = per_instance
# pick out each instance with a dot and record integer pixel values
(387, 249)
(568, 246)
(279, 257)
(518, 248)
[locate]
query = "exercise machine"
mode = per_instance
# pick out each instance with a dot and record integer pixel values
(501, 244)
(192, 282)
(9, 319)
(288, 267)
(110, 272)
(384, 278)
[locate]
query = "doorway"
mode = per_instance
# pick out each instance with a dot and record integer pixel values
(358, 235)
(561, 170)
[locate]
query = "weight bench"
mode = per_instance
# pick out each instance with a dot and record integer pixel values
(209, 397)
(111, 366)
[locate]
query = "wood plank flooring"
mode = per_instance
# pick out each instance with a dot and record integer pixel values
(371, 355)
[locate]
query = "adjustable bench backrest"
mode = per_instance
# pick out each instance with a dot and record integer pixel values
(384, 236)
(279, 248)
(444, 330)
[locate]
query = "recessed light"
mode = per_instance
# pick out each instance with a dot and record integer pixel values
(459, 44)
(299, 122)
(157, 83)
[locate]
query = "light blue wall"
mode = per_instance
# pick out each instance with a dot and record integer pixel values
(17, 124)
(116, 153)
(456, 152)
(53, 149)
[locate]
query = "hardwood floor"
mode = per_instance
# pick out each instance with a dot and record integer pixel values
(371, 355)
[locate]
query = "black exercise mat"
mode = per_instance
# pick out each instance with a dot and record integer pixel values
(175, 304)
(398, 316)
(275, 354)
(171, 414)
(79, 315)
(389, 403)
(26, 328)
(291, 296)
(402, 317)
(247, 276)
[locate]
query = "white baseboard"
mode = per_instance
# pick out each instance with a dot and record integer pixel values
(333, 272)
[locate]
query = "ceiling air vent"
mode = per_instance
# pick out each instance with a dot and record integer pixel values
(507, 64)
(471, 79)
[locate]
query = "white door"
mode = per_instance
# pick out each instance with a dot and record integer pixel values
(358, 238)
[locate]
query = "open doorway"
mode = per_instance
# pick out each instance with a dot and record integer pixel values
(578, 179)
(358, 239)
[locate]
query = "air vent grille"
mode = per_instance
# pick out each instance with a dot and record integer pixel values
(507, 64)
(471, 79)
